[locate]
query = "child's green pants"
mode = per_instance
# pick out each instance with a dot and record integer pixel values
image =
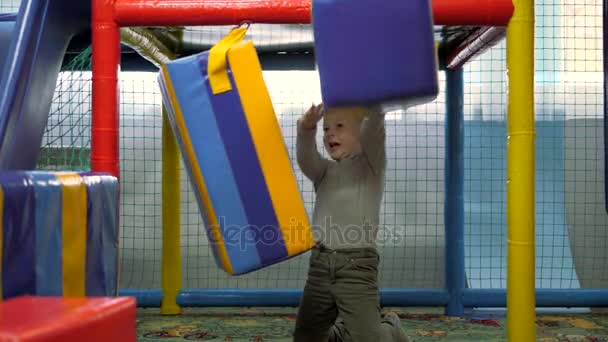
(342, 283)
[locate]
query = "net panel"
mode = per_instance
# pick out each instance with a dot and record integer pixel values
(66, 143)
(485, 169)
(576, 65)
(570, 219)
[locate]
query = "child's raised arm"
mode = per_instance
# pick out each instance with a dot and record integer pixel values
(373, 140)
(311, 162)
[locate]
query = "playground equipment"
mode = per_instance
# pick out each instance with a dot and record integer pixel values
(453, 56)
(58, 230)
(108, 17)
(455, 50)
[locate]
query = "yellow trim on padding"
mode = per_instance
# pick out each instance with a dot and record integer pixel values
(197, 175)
(74, 233)
(270, 147)
(216, 65)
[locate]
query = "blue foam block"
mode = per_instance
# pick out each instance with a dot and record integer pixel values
(33, 251)
(371, 52)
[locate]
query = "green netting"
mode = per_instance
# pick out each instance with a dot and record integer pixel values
(66, 143)
(571, 224)
(9, 6)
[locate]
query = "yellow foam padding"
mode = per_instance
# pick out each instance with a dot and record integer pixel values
(74, 233)
(214, 227)
(216, 65)
(272, 153)
(1, 231)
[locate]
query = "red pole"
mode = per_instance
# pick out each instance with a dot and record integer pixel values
(216, 12)
(105, 96)
(472, 12)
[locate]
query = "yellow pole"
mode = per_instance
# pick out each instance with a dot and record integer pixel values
(171, 255)
(520, 173)
(148, 45)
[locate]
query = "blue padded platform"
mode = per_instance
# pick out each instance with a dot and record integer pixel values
(32, 48)
(58, 234)
(370, 52)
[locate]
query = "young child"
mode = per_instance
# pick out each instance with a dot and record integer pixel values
(341, 298)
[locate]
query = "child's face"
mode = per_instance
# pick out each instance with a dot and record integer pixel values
(341, 134)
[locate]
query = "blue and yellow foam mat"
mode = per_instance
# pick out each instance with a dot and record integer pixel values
(229, 136)
(58, 234)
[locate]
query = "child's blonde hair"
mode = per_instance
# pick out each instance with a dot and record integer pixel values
(357, 112)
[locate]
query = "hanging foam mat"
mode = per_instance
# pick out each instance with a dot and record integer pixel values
(227, 131)
(373, 52)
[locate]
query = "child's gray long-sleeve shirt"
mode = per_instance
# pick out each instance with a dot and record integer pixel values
(348, 192)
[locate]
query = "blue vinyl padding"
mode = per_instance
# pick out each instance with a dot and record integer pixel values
(95, 272)
(247, 171)
(18, 235)
(48, 235)
(219, 178)
(110, 197)
(8, 17)
(371, 52)
(32, 246)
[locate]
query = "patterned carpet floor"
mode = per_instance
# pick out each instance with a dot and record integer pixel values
(276, 324)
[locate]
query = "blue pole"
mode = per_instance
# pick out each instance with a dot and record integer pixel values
(276, 297)
(145, 298)
(471, 298)
(454, 199)
(545, 298)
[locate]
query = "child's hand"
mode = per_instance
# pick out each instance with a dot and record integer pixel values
(312, 116)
